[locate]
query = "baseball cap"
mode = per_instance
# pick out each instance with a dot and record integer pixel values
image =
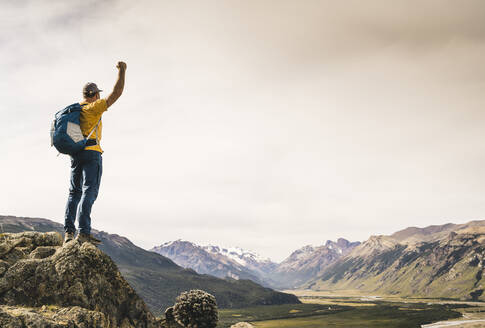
(90, 89)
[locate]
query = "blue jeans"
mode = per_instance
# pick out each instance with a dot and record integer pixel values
(86, 170)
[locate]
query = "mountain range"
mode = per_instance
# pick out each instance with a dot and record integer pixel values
(301, 265)
(437, 261)
(157, 279)
(444, 261)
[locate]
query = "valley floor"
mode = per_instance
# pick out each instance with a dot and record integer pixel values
(321, 310)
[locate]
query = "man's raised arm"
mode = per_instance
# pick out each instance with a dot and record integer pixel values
(120, 84)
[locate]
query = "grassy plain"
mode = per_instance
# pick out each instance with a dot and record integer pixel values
(349, 310)
(378, 316)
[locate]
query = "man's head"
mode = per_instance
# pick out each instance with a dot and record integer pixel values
(91, 92)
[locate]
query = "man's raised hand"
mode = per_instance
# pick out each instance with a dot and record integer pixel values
(121, 66)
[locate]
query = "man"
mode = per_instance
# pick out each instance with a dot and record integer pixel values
(87, 165)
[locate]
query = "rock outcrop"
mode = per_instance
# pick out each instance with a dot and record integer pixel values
(45, 284)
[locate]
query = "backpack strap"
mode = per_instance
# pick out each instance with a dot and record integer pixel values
(95, 128)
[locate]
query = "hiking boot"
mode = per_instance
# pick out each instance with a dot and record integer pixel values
(84, 237)
(68, 237)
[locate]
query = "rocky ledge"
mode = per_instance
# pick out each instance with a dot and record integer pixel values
(45, 284)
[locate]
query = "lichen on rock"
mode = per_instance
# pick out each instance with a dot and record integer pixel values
(46, 284)
(14, 317)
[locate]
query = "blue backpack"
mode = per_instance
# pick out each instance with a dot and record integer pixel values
(66, 134)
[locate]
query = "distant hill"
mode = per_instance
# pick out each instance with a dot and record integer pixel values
(437, 261)
(157, 279)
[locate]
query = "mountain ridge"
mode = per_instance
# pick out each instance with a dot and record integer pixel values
(436, 261)
(309, 261)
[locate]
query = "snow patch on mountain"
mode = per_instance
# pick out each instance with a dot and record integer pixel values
(237, 254)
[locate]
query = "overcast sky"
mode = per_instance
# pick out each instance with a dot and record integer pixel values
(264, 124)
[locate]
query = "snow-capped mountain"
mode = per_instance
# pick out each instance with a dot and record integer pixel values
(248, 259)
(215, 260)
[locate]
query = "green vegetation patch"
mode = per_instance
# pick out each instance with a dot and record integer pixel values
(382, 315)
(227, 317)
